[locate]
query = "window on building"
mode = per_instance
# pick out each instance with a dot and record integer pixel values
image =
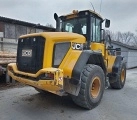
(10, 31)
(20, 30)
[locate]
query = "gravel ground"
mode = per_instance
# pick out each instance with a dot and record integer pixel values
(25, 103)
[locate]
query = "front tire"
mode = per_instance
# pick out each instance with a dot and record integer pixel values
(92, 87)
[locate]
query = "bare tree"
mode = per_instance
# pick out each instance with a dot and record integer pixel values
(126, 37)
(49, 25)
(135, 41)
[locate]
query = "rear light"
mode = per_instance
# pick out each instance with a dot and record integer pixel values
(47, 76)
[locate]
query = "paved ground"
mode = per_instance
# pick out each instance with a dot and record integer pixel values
(24, 103)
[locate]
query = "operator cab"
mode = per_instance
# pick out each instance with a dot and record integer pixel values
(87, 23)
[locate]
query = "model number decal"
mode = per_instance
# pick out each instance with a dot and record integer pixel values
(27, 53)
(77, 46)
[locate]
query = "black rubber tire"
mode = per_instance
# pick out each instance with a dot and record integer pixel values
(85, 98)
(119, 84)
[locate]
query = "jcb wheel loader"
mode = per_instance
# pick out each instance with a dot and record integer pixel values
(74, 60)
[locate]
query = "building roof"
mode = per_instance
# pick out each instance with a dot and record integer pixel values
(124, 45)
(24, 23)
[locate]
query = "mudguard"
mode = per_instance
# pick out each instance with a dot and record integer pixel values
(86, 57)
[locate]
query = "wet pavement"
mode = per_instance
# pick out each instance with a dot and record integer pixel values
(25, 103)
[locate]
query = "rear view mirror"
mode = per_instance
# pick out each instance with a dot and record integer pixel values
(107, 23)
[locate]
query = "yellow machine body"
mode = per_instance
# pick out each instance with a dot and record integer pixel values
(65, 69)
(64, 72)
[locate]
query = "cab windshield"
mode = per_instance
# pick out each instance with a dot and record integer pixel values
(75, 25)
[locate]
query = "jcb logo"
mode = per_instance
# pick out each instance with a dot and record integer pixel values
(77, 46)
(27, 53)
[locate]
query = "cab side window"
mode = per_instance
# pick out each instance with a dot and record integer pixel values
(95, 30)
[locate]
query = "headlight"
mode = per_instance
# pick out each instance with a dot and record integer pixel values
(47, 76)
(10, 69)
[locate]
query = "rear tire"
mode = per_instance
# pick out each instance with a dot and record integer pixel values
(92, 87)
(121, 77)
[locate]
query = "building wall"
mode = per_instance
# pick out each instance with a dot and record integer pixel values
(132, 58)
(11, 32)
(8, 45)
(124, 51)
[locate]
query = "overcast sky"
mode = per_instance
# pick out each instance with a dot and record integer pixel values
(122, 13)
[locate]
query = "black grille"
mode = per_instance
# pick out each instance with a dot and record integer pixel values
(30, 54)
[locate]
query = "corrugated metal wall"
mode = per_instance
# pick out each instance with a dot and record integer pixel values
(130, 56)
(8, 45)
(124, 51)
(10, 31)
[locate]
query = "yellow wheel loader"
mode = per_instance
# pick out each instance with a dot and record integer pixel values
(74, 60)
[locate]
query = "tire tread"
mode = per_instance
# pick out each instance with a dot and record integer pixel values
(81, 99)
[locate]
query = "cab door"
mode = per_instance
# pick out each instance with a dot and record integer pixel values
(96, 35)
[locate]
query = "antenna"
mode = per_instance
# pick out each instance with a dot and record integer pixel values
(92, 6)
(100, 6)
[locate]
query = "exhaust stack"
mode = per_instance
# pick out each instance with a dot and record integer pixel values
(57, 22)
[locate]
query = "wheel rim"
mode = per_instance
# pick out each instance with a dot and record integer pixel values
(122, 75)
(95, 87)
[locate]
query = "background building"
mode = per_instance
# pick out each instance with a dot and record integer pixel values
(11, 29)
(128, 52)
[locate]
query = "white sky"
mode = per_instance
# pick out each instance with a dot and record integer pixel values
(122, 13)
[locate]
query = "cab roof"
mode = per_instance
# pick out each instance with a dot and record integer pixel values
(76, 13)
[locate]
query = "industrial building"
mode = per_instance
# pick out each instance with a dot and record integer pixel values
(11, 29)
(128, 52)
